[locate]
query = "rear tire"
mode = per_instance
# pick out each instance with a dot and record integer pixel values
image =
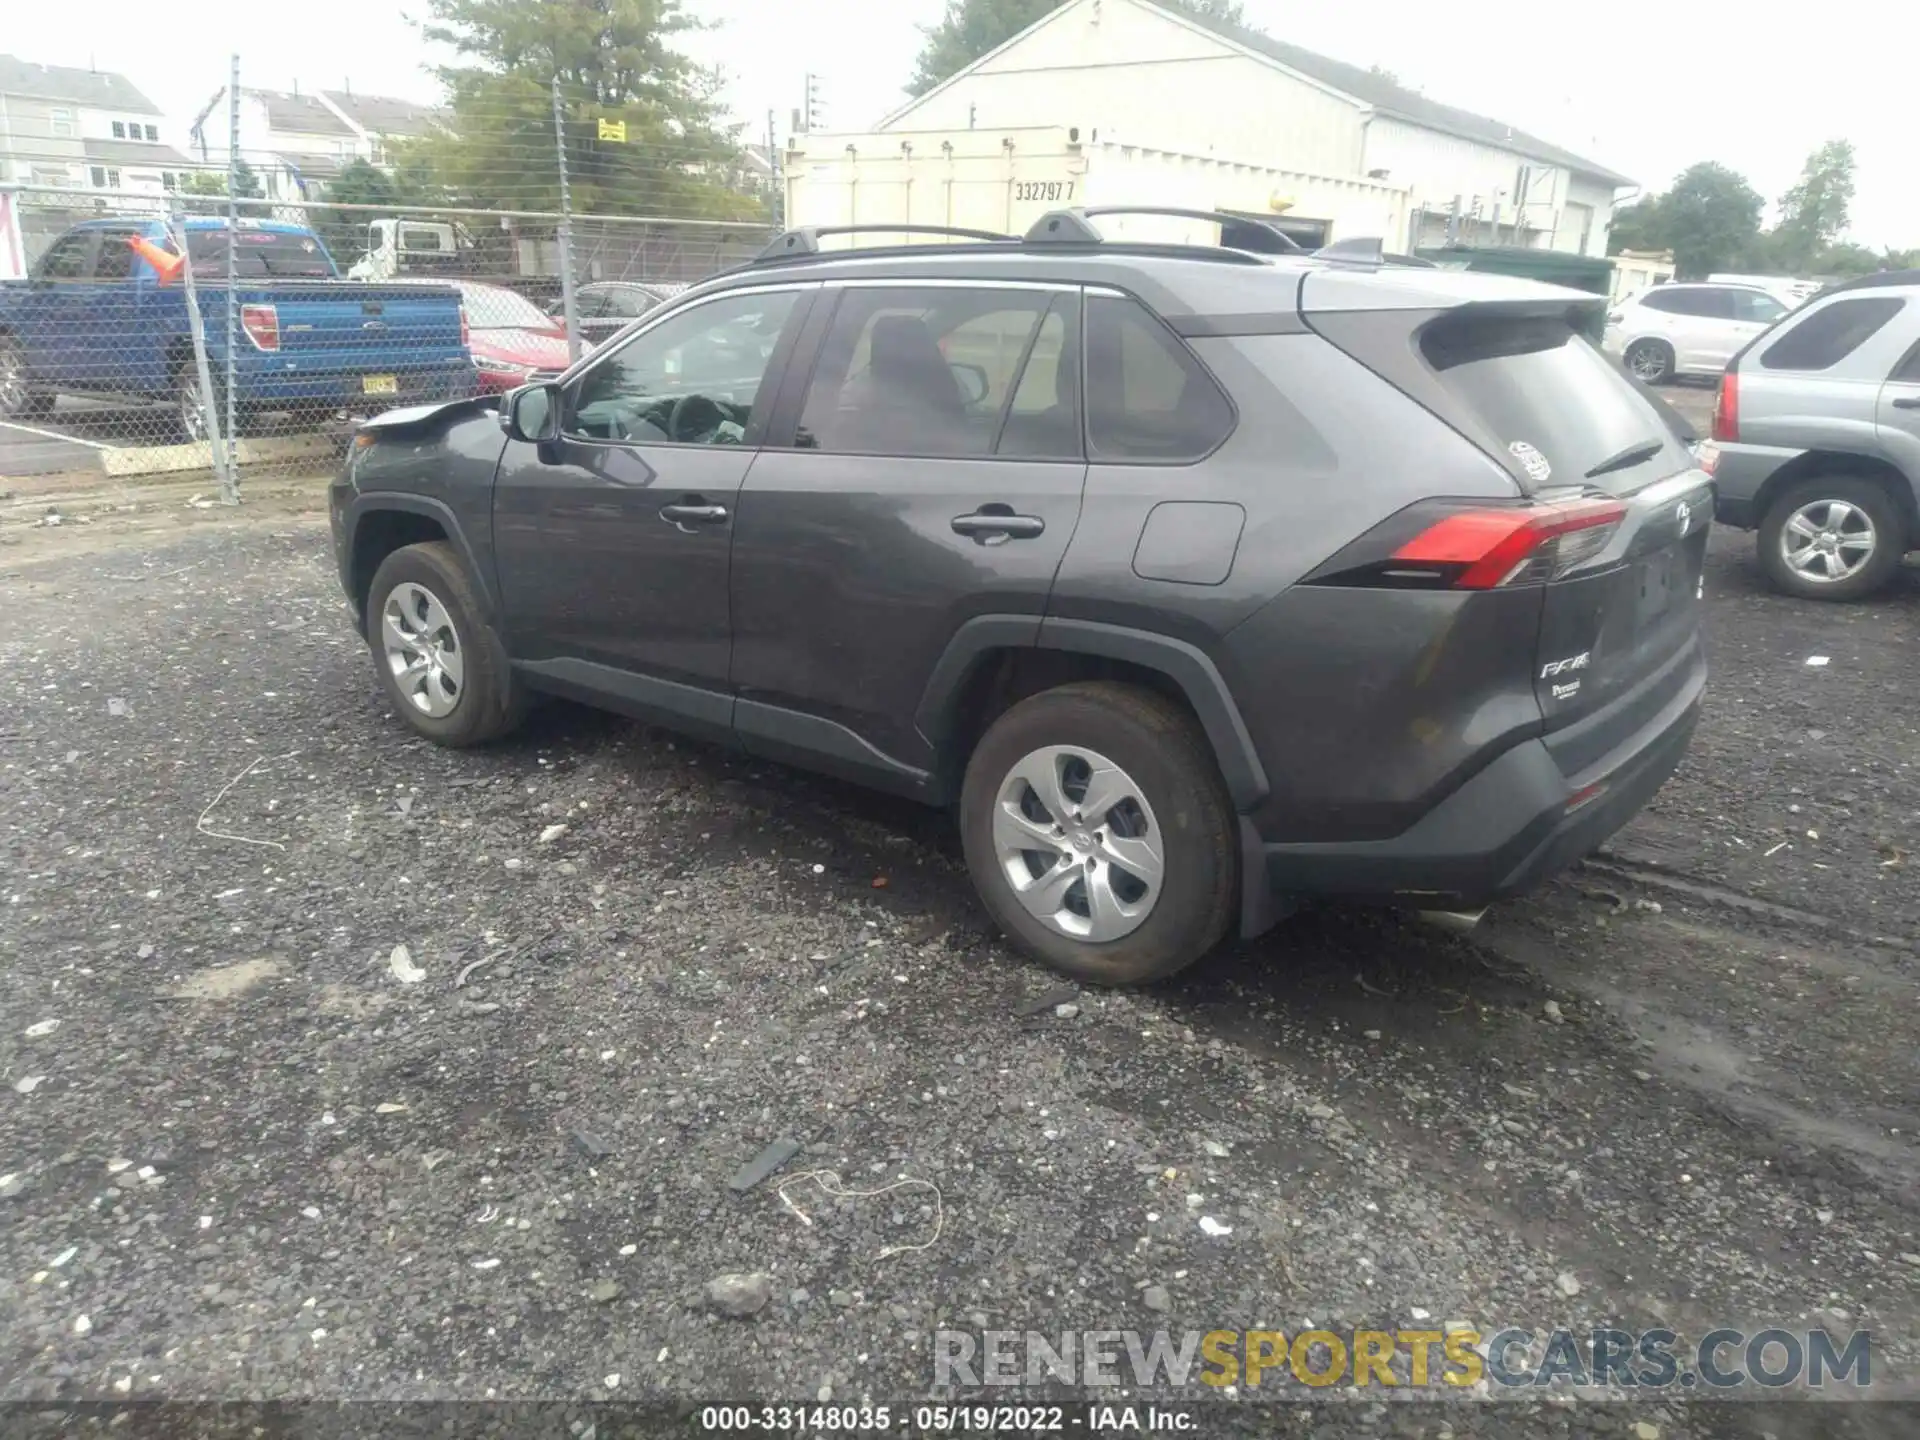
(1651, 360)
(1091, 868)
(18, 399)
(189, 417)
(1834, 537)
(445, 672)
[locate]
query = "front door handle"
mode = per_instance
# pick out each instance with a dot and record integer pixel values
(1907, 402)
(685, 516)
(997, 525)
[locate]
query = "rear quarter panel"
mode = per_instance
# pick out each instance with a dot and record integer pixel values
(1350, 710)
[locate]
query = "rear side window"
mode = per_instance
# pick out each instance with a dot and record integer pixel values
(1688, 302)
(1148, 397)
(944, 371)
(1547, 402)
(1828, 335)
(1753, 306)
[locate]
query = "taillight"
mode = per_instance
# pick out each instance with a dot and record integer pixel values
(1452, 545)
(1726, 409)
(1486, 549)
(262, 324)
(466, 333)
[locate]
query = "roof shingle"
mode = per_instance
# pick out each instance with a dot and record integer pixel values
(97, 89)
(1390, 97)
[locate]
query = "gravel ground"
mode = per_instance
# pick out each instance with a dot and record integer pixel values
(259, 1140)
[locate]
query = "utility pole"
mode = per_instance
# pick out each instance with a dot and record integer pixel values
(230, 473)
(815, 110)
(774, 198)
(566, 230)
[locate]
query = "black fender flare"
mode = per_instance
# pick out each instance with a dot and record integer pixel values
(376, 502)
(1187, 666)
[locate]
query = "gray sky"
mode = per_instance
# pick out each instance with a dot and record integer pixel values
(1754, 95)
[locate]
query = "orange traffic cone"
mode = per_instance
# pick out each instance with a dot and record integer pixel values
(165, 263)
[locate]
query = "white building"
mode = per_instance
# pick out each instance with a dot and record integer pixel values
(70, 129)
(296, 143)
(1331, 149)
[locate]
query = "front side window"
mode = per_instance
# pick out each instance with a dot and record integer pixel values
(114, 261)
(1826, 336)
(693, 379)
(1755, 307)
(925, 370)
(1148, 396)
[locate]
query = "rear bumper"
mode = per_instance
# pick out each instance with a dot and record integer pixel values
(1739, 474)
(1505, 831)
(346, 389)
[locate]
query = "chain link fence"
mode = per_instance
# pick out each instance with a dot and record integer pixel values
(248, 306)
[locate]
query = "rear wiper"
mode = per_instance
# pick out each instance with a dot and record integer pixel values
(1632, 455)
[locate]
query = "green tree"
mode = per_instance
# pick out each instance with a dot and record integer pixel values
(1813, 214)
(971, 28)
(1710, 220)
(615, 63)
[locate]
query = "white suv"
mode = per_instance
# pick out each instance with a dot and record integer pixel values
(1687, 329)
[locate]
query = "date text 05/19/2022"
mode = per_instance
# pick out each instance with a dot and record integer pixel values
(934, 1419)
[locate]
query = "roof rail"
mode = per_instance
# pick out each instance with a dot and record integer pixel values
(1073, 227)
(806, 239)
(1877, 280)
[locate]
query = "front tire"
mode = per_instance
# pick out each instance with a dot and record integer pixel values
(1835, 537)
(442, 668)
(1099, 834)
(1650, 360)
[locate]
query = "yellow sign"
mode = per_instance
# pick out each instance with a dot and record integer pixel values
(614, 130)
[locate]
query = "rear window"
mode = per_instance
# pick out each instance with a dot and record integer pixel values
(1547, 402)
(260, 255)
(1148, 397)
(1827, 336)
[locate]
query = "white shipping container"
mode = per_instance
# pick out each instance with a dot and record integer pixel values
(1005, 180)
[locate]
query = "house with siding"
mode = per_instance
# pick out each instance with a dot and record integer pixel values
(1331, 149)
(296, 143)
(63, 128)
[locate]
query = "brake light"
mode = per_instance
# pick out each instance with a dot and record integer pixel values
(1493, 548)
(262, 324)
(1726, 409)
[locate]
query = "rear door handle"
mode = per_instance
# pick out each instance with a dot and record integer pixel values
(989, 527)
(686, 516)
(1907, 402)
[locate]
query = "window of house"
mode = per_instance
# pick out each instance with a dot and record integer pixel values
(153, 133)
(169, 180)
(693, 379)
(105, 177)
(119, 129)
(929, 371)
(60, 123)
(1828, 335)
(1148, 396)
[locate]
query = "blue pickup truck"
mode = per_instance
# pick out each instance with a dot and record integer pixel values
(101, 314)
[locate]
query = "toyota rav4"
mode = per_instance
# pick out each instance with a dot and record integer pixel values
(1198, 580)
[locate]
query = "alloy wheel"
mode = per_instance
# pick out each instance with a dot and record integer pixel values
(1827, 540)
(422, 649)
(13, 381)
(1078, 843)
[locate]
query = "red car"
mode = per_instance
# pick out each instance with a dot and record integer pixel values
(512, 341)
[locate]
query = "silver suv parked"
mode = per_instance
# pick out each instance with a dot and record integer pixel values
(1818, 431)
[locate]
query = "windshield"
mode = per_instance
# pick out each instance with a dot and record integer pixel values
(260, 254)
(491, 308)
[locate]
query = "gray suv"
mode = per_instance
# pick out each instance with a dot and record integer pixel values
(1818, 433)
(1196, 579)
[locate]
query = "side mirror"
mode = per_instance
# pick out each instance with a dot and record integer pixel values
(972, 378)
(532, 414)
